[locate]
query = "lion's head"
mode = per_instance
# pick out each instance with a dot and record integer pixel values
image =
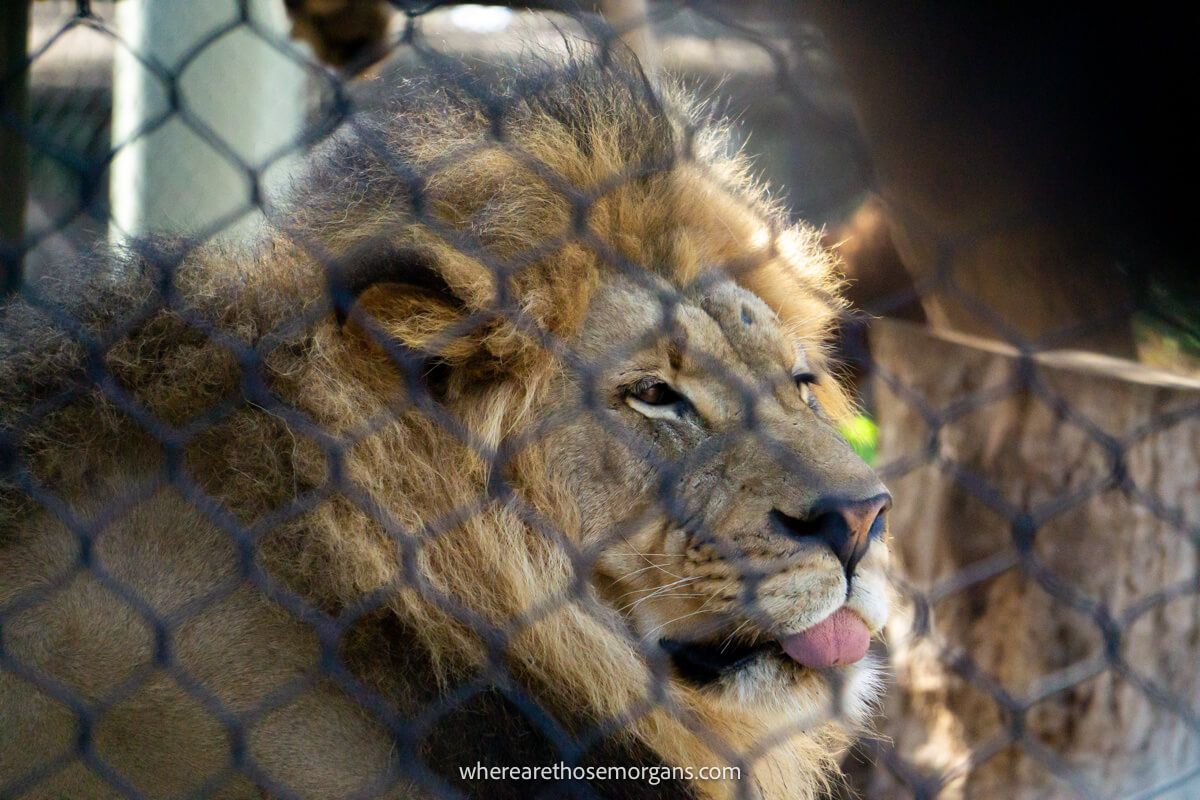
(734, 527)
(619, 434)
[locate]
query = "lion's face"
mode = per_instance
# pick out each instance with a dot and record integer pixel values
(733, 528)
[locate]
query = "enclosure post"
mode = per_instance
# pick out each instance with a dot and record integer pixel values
(14, 96)
(631, 19)
(196, 173)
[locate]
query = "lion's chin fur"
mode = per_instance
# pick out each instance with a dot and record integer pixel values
(370, 512)
(780, 725)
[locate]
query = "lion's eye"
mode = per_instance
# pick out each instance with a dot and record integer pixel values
(657, 394)
(804, 382)
(656, 399)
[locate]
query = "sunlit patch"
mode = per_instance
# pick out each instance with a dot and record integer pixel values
(481, 19)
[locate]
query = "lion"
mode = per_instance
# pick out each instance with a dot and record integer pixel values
(512, 439)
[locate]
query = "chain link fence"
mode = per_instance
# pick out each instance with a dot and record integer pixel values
(1045, 526)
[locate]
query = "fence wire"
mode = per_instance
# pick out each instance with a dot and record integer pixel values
(71, 156)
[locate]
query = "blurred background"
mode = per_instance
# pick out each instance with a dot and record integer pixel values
(1011, 195)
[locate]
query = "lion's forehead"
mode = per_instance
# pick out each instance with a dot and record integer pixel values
(751, 328)
(721, 326)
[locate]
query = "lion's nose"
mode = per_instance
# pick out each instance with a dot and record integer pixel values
(846, 526)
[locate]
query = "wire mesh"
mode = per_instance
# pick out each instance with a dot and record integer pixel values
(95, 330)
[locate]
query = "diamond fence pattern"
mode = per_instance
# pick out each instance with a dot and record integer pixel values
(892, 768)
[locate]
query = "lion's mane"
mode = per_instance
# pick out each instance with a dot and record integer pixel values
(376, 450)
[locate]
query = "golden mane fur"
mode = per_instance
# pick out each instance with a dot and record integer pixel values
(377, 453)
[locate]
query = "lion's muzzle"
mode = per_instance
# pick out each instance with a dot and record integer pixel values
(845, 526)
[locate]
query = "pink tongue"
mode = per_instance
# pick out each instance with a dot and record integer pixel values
(840, 638)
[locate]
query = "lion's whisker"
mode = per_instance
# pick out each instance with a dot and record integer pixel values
(643, 556)
(729, 639)
(657, 628)
(639, 570)
(657, 588)
(657, 592)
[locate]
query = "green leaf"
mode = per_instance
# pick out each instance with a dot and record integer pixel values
(863, 435)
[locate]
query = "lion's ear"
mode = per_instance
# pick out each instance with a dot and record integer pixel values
(395, 301)
(385, 265)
